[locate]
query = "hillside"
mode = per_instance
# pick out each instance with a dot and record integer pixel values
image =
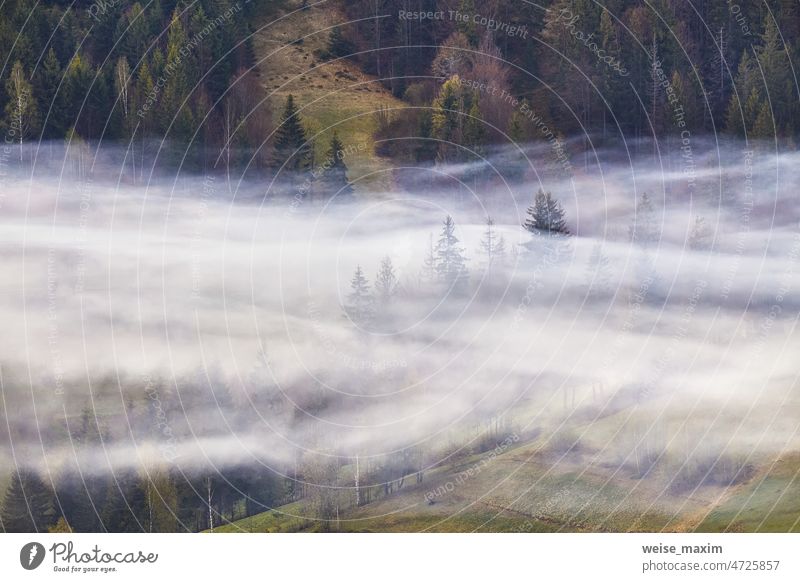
(333, 95)
(540, 485)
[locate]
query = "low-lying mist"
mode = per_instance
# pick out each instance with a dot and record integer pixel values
(206, 322)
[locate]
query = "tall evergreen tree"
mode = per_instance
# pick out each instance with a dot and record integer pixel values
(74, 492)
(745, 102)
(764, 124)
(77, 81)
(774, 63)
(28, 504)
(338, 44)
(359, 306)
(292, 152)
(334, 171)
(546, 216)
(450, 260)
(175, 112)
(125, 504)
(50, 104)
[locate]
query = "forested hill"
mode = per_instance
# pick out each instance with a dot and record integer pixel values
(184, 70)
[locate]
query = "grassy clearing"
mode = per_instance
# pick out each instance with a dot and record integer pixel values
(279, 520)
(333, 94)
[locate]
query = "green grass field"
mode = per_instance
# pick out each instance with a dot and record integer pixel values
(768, 503)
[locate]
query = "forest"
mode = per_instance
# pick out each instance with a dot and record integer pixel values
(186, 72)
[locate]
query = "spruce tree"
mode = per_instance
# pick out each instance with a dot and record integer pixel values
(546, 216)
(474, 129)
(764, 124)
(28, 504)
(338, 45)
(774, 64)
(334, 172)
(450, 261)
(175, 113)
(77, 81)
(292, 152)
(50, 104)
(125, 504)
(744, 103)
(359, 305)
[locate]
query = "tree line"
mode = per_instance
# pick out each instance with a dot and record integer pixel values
(620, 68)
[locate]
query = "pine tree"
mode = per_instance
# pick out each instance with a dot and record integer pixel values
(447, 119)
(144, 88)
(687, 98)
(50, 104)
(132, 34)
(741, 115)
(546, 216)
(175, 113)
(28, 504)
(774, 64)
(338, 45)
(359, 307)
(292, 152)
(125, 505)
(77, 81)
(77, 502)
(764, 124)
(426, 147)
(334, 172)
(517, 130)
(450, 260)
(474, 129)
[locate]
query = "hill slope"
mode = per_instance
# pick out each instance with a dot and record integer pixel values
(332, 94)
